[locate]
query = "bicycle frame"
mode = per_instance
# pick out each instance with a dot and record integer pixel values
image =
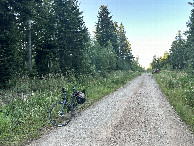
(64, 109)
(64, 102)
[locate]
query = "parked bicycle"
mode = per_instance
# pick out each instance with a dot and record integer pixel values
(62, 112)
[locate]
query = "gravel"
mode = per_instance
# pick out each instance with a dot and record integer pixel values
(136, 114)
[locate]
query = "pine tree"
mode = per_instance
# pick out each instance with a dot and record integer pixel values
(190, 40)
(124, 56)
(71, 35)
(155, 63)
(46, 59)
(25, 13)
(105, 29)
(177, 52)
(123, 43)
(7, 42)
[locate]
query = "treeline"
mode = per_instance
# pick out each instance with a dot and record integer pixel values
(42, 37)
(181, 56)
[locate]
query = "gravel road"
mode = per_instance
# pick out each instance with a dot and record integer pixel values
(137, 114)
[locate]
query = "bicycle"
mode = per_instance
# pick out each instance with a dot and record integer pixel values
(61, 113)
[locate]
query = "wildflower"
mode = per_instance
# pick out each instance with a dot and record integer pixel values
(33, 93)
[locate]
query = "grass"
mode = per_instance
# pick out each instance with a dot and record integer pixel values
(24, 118)
(179, 89)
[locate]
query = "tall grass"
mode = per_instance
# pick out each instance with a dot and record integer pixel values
(25, 86)
(179, 89)
(24, 119)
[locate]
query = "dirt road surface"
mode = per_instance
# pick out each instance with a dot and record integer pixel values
(137, 114)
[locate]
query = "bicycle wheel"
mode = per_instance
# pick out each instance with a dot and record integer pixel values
(60, 114)
(75, 105)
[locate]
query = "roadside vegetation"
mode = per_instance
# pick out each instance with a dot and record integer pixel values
(176, 78)
(44, 46)
(26, 118)
(178, 86)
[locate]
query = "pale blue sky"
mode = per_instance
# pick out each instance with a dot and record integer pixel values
(151, 25)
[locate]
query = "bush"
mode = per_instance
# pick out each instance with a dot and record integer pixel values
(178, 87)
(24, 118)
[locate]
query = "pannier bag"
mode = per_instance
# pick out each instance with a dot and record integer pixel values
(81, 98)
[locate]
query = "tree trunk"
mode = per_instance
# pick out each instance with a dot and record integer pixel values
(29, 46)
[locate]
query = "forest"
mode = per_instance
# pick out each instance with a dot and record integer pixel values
(181, 55)
(44, 46)
(43, 38)
(176, 78)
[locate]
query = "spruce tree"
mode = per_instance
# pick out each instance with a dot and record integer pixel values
(105, 29)
(177, 52)
(125, 56)
(7, 42)
(190, 40)
(44, 39)
(71, 35)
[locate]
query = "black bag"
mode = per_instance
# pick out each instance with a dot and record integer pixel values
(81, 98)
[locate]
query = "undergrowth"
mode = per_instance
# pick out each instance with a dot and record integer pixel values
(24, 116)
(178, 86)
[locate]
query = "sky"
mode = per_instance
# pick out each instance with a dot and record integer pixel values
(151, 25)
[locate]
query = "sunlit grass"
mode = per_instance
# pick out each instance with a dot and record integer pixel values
(25, 118)
(179, 89)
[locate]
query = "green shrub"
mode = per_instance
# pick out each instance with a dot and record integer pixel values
(24, 118)
(178, 87)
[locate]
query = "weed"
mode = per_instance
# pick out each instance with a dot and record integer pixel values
(23, 119)
(178, 87)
